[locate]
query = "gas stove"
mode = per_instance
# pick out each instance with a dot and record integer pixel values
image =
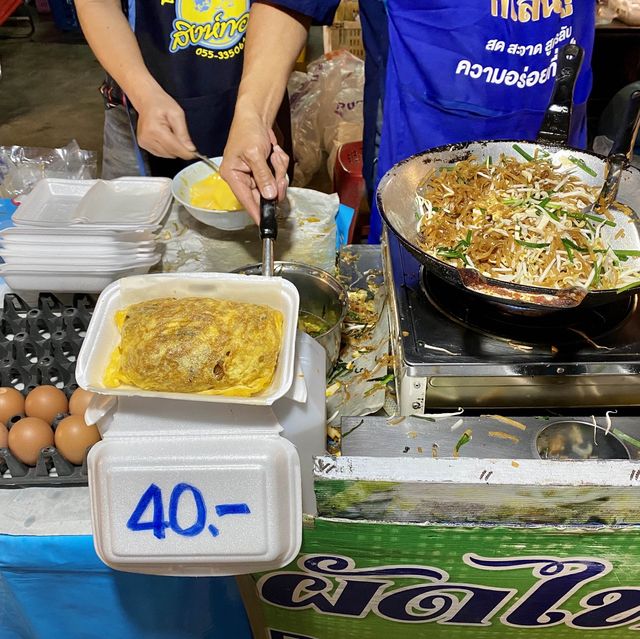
(455, 350)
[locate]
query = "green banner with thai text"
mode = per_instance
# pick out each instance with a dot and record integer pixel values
(396, 581)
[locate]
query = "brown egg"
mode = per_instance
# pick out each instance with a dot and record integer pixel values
(4, 435)
(45, 402)
(27, 437)
(73, 437)
(11, 403)
(79, 401)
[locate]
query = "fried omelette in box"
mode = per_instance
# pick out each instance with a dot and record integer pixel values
(196, 345)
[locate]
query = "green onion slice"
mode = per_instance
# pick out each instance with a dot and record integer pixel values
(566, 241)
(580, 163)
(533, 245)
(518, 149)
(628, 287)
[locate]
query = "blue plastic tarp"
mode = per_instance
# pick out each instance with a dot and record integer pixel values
(57, 587)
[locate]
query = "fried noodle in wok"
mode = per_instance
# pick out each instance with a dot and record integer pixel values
(522, 222)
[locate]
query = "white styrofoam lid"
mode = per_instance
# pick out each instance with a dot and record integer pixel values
(222, 505)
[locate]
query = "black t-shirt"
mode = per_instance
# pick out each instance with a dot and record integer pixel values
(194, 49)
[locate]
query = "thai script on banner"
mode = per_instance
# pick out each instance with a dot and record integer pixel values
(333, 585)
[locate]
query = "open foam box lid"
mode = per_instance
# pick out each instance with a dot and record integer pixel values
(103, 335)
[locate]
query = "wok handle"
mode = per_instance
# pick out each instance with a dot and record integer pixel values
(628, 131)
(475, 282)
(556, 124)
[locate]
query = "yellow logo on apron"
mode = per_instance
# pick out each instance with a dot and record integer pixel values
(214, 24)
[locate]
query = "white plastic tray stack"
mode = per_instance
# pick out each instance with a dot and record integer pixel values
(81, 235)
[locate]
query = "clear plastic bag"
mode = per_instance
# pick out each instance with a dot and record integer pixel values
(628, 11)
(326, 110)
(304, 91)
(21, 167)
(605, 14)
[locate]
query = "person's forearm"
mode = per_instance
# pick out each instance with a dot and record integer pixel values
(114, 44)
(275, 38)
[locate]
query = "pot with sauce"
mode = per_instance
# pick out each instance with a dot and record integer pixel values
(323, 303)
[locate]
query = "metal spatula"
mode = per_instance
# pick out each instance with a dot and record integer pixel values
(619, 157)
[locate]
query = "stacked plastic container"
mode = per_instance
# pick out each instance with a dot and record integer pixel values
(81, 235)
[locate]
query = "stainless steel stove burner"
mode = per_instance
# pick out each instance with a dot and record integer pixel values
(451, 351)
(508, 323)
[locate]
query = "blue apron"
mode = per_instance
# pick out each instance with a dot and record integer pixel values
(464, 70)
(373, 17)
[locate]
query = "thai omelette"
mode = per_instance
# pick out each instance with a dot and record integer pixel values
(196, 345)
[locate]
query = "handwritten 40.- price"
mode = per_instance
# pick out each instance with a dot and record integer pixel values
(152, 497)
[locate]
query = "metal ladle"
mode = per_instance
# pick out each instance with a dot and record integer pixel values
(268, 233)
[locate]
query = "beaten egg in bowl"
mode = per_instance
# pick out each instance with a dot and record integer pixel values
(213, 193)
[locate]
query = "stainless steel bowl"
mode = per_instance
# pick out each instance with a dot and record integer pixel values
(321, 296)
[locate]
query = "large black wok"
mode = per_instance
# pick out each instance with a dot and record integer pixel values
(396, 196)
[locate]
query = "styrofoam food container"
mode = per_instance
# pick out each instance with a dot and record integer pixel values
(82, 262)
(123, 203)
(21, 278)
(262, 471)
(130, 200)
(51, 199)
(103, 335)
(75, 235)
(181, 188)
(87, 249)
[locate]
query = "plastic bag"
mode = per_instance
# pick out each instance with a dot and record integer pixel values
(306, 233)
(605, 14)
(21, 167)
(341, 102)
(326, 111)
(304, 91)
(628, 11)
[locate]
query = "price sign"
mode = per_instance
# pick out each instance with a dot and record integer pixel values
(152, 500)
(202, 506)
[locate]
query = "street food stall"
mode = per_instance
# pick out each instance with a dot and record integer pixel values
(209, 429)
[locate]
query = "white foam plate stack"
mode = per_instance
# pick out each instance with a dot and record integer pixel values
(81, 235)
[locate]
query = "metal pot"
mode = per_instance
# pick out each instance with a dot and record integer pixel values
(396, 196)
(321, 295)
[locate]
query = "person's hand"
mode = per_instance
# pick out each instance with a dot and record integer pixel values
(244, 166)
(162, 127)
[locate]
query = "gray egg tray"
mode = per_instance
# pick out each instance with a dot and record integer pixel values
(39, 345)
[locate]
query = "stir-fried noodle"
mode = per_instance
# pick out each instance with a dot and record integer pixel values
(522, 222)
